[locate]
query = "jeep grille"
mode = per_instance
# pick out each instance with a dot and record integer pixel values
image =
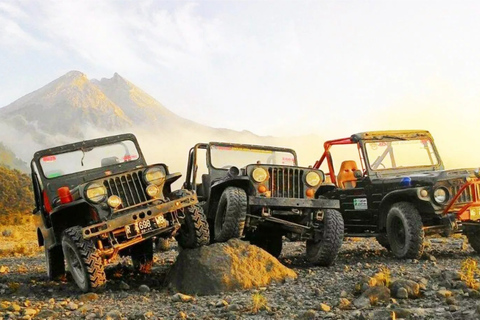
(128, 187)
(465, 196)
(286, 182)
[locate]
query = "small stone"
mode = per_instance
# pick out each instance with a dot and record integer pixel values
(444, 293)
(114, 315)
(325, 307)
(451, 301)
(412, 288)
(46, 313)
(402, 293)
(221, 303)
(124, 286)
(307, 315)
(453, 308)
(91, 296)
(361, 302)
(90, 316)
(30, 312)
(377, 294)
(180, 297)
(144, 288)
(343, 294)
(72, 306)
(5, 304)
(233, 307)
(344, 304)
(14, 307)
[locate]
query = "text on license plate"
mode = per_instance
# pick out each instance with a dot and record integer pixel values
(145, 226)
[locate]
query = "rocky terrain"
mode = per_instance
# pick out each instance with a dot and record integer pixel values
(430, 288)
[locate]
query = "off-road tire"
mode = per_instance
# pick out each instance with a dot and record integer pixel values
(383, 241)
(405, 231)
(55, 262)
(473, 236)
(272, 243)
(231, 214)
(83, 260)
(194, 232)
(142, 256)
(324, 251)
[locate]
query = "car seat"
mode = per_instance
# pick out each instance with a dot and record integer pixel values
(346, 177)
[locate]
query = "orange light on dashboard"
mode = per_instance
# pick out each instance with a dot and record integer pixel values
(310, 193)
(262, 188)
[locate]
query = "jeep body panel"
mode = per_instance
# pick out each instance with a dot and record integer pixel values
(285, 191)
(124, 178)
(365, 205)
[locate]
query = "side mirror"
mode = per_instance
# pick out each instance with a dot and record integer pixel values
(358, 174)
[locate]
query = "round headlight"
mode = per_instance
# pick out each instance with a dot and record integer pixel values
(259, 174)
(114, 201)
(313, 179)
(152, 190)
(155, 175)
(96, 192)
(441, 195)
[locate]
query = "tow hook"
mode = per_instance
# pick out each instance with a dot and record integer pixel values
(266, 212)
(319, 215)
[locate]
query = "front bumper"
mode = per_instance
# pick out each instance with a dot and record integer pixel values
(293, 203)
(137, 215)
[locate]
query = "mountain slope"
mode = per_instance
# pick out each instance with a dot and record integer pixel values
(73, 108)
(64, 106)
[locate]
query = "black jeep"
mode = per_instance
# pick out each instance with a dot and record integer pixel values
(95, 199)
(260, 193)
(401, 192)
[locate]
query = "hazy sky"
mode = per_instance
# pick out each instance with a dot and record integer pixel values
(271, 67)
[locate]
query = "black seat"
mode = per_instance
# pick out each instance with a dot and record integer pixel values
(206, 183)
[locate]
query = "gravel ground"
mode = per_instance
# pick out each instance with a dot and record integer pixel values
(318, 292)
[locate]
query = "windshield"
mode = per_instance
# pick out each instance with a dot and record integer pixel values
(238, 156)
(57, 165)
(384, 155)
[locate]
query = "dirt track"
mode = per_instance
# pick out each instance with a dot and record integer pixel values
(25, 288)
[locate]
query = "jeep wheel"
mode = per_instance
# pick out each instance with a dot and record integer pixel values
(55, 262)
(405, 231)
(272, 243)
(473, 236)
(194, 231)
(383, 241)
(324, 250)
(83, 260)
(231, 214)
(142, 256)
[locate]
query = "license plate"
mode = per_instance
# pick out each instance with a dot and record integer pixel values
(145, 226)
(474, 213)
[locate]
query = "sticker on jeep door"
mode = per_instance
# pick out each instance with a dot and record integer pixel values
(360, 204)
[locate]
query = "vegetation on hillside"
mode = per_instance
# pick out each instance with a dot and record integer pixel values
(9, 160)
(16, 197)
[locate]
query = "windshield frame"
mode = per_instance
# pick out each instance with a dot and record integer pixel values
(437, 166)
(247, 146)
(88, 144)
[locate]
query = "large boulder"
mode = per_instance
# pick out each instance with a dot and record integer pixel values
(222, 267)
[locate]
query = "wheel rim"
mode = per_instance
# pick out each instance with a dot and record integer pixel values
(76, 266)
(399, 234)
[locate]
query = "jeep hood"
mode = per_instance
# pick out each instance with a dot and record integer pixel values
(426, 178)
